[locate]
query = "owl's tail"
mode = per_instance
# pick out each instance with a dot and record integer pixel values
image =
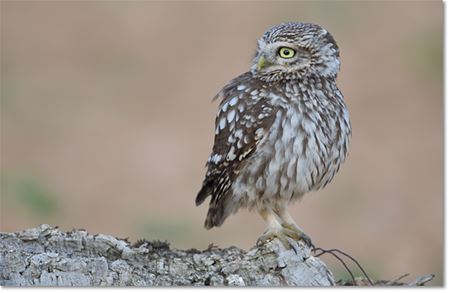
(215, 216)
(203, 194)
(219, 191)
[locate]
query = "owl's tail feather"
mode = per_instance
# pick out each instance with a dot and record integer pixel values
(203, 194)
(215, 212)
(215, 217)
(217, 186)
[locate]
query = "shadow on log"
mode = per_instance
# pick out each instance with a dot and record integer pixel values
(47, 256)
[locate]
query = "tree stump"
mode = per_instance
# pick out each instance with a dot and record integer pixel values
(47, 256)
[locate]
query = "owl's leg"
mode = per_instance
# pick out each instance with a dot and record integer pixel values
(288, 223)
(275, 229)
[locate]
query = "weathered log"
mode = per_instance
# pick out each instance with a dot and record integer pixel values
(47, 256)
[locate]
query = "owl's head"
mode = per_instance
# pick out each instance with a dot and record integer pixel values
(295, 50)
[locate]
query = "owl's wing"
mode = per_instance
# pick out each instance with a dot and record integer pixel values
(243, 120)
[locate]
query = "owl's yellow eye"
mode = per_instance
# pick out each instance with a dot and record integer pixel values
(286, 52)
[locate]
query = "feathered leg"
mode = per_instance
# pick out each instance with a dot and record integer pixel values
(275, 229)
(288, 223)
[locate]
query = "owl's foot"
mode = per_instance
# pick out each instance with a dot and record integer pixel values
(297, 234)
(285, 236)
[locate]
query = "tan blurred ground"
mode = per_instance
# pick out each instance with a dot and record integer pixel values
(106, 122)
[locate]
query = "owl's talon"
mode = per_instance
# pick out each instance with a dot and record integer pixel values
(307, 240)
(297, 234)
(270, 235)
(283, 235)
(267, 236)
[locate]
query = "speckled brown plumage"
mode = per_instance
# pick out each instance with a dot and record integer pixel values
(282, 130)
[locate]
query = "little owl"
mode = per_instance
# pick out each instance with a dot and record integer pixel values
(282, 130)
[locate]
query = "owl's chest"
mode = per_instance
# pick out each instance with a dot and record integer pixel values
(303, 146)
(301, 152)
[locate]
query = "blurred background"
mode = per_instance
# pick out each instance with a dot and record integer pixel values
(107, 122)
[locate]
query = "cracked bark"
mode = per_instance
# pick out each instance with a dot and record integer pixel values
(47, 256)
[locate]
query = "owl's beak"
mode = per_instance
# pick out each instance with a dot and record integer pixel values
(261, 63)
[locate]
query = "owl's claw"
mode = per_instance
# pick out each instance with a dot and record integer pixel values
(286, 237)
(295, 233)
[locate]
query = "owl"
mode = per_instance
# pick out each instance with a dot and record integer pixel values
(282, 130)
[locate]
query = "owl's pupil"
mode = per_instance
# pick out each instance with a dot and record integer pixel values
(286, 52)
